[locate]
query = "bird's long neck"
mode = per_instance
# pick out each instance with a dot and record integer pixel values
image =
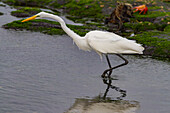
(80, 41)
(71, 33)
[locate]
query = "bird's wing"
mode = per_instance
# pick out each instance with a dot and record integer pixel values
(106, 42)
(103, 35)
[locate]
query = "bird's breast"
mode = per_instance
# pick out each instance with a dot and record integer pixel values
(83, 44)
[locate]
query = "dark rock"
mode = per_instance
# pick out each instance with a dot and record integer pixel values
(159, 19)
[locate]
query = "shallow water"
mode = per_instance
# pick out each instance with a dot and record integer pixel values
(45, 74)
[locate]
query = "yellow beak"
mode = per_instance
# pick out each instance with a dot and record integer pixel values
(30, 18)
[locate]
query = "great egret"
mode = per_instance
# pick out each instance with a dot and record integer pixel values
(100, 41)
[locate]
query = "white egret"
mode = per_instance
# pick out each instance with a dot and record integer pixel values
(100, 41)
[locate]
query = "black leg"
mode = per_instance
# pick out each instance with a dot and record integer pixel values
(108, 61)
(109, 81)
(111, 68)
(105, 81)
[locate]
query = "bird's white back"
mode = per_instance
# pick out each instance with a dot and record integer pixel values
(110, 43)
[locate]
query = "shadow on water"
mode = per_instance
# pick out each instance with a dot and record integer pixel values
(104, 104)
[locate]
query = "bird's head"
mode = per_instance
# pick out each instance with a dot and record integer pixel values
(37, 16)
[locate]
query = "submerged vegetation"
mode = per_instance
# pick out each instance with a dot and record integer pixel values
(92, 13)
(25, 12)
(1, 13)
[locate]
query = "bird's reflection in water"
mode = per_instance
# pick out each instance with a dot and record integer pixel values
(104, 104)
(108, 82)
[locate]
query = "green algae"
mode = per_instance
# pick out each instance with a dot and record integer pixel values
(28, 11)
(37, 3)
(85, 8)
(167, 29)
(158, 46)
(144, 26)
(80, 8)
(152, 14)
(25, 11)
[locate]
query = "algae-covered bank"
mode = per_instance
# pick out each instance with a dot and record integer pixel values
(151, 29)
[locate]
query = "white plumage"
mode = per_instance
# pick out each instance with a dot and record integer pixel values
(110, 43)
